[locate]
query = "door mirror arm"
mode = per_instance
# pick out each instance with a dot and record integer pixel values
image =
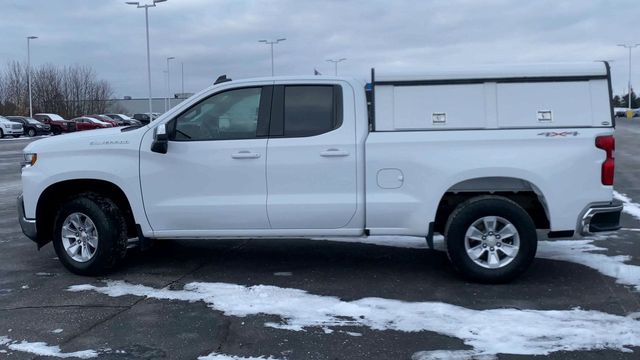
(160, 139)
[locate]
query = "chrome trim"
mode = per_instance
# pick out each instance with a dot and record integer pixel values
(585, 223)
(28, 225)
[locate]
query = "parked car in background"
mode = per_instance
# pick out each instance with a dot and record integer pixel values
(8, 127)
(30, 126)
(145, 118)
(57, 123)
(87, 123)
(124, 118)
(106, 119)
(622, 112)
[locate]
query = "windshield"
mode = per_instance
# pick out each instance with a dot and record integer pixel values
(33, 121)
(124, 117)
(96, 121)
(4, 119)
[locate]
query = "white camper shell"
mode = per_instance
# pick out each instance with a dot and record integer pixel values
(495, 97)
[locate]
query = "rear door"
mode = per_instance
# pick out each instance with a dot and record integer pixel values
(311, 158)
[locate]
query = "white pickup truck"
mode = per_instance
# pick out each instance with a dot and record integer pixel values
(485, 157)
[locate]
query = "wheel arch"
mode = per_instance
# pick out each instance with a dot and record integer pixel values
(60, 191)
(520, 190)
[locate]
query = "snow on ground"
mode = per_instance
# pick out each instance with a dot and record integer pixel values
(217, 356)
(581, 252)
(43, 349)
(630, 207)
(489, 332)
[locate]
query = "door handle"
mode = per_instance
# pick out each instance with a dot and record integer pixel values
(334, 153)
(245, 155)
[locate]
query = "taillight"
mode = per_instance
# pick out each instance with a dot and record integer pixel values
(608, 144)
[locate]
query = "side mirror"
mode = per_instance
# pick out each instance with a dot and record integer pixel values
(160, 139)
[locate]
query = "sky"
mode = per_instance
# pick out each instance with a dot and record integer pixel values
(214, 37)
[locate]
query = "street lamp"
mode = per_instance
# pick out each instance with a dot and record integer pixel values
(167, 103)
(29, 38)
(629, 46)
(335, 63)
(271, 42)
(146, 17)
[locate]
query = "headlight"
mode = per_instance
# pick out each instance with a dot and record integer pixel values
(29, 159)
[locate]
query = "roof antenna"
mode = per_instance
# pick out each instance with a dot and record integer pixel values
(221, 79)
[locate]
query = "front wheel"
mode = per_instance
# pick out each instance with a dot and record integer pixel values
(90, 234)
(31, 133)
(491, 239)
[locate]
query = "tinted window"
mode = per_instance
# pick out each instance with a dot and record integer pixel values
(309, 110)
(224, 116)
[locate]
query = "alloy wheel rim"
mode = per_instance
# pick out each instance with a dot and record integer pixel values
(492, 242)
(79, 237)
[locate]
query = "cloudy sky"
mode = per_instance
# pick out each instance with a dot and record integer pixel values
(213, 37)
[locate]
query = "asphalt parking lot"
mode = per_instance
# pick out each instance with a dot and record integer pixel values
(211, 304)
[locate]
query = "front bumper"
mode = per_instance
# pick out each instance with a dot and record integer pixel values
(13, 131)
(28, 225)
(599, 218)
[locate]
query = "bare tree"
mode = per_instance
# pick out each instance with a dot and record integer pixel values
(69, 91)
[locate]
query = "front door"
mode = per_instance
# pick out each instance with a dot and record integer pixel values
(213, 175)
(311, 158)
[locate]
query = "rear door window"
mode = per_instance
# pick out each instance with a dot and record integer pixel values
(310, 110)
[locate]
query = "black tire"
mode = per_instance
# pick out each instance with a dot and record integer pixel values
(111, 228)
(31, 132)
(1, 134)
(16, 136)
(56, 130)
(472, 210)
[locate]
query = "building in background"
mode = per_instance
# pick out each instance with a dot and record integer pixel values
(129, 106)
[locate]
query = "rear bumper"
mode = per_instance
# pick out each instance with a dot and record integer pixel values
(599, 218)
(28, 225)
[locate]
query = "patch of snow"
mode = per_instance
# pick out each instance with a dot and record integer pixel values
(43, 349)
(218, 356)
(57, 331)
(581, 252)
(283, 273)
(45, 274)
(629, 206)
(452, 355)
(24, 287)
(489, 332)
(351, 333)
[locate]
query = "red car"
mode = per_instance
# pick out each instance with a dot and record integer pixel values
(87, 123)
(104, 118)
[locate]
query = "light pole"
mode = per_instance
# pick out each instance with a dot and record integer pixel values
(168, 102)
(182, 64)
(146, 18)
(629, 46)
(271, 42)
(29, 38)
(335, 63)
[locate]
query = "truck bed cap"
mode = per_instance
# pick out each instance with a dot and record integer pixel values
(501, 71)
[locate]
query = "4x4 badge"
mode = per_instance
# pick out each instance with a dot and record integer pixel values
(554, 134)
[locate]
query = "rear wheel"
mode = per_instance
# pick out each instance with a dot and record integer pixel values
(1, 134)
(31, 132)
(490, 239)
(90, 234)
(56, 130)
(16, 136)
